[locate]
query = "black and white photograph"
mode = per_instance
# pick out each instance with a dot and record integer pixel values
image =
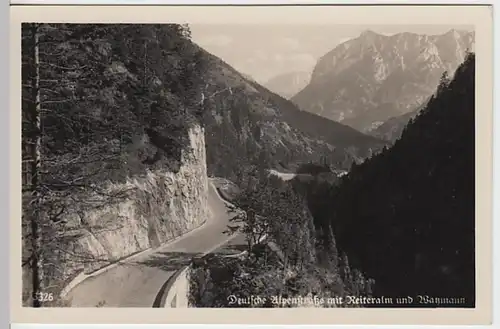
(189, 165)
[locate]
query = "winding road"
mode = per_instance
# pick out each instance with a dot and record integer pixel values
(139, 281)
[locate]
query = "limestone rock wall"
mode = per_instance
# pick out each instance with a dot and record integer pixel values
(161, 206)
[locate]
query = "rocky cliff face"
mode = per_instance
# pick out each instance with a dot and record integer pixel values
(160, 207)
(369, 79)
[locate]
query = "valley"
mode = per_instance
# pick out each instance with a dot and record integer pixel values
(163, 159)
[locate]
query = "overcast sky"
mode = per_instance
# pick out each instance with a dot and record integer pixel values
(267, 51)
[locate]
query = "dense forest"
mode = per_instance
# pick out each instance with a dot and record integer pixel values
(296, 259)
(100, 103)
(101, 88)
(406, 217)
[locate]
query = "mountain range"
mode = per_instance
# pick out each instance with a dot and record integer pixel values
(367, 80)
(248, 124)
(288, 84)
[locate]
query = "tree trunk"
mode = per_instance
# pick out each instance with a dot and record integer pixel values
(35, 150)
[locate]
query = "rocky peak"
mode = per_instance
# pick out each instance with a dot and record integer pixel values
(455, 34)
(369, 34)
(374, 77)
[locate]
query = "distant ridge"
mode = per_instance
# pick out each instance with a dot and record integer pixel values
(369, 79)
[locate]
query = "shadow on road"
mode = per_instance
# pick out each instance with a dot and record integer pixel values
(235, 245)
(169, 261)
(240, 247)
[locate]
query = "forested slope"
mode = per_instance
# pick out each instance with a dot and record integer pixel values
(103, 88)
(406, 217)
(247, 125)
(102, 105)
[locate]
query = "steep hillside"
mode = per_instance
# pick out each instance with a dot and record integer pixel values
(246, 124)
(288, 84)
(117, 120)
(110, 113)
(294, 261)
(392, 128)
(367, 80)
(406, 217)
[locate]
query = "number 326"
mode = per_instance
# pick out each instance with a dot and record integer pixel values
(44, 296)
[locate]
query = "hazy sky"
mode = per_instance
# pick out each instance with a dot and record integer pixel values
(267, 51)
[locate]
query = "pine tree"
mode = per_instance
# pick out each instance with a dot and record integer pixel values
(88, 92)
(332, 250)
(444, 81)
(403, 202)
(345, 272)
(34, 142)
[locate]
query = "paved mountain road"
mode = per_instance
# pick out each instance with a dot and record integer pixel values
(138, 281)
